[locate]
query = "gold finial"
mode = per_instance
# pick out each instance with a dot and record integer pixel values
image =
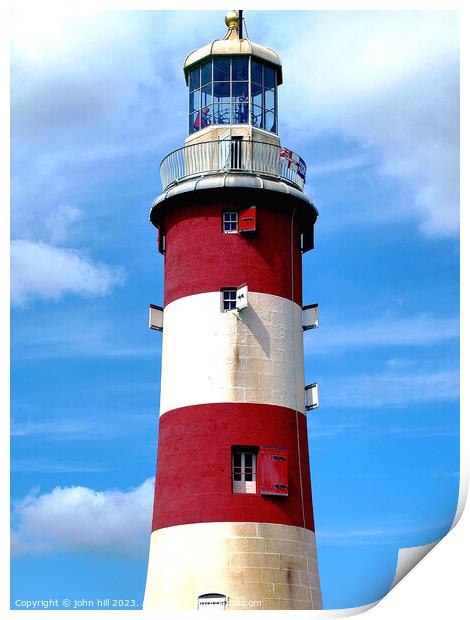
(232, 19)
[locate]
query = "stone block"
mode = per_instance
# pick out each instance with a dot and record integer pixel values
(291, 592)
(247, 544)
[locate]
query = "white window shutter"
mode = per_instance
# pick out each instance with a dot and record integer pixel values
(310, 317)
(156, 317)
(242, 297)
(311, 396)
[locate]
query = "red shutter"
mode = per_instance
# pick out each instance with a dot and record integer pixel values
(272, 471)
(247, 220)
(161, 241)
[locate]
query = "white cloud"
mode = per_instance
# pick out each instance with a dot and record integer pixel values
(75, 68)
(59, 222)
(389, 80)
(43, 271)
(390, 389)
(420, 330)
(79, 519)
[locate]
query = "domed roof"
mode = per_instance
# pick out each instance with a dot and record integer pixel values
(231, 45)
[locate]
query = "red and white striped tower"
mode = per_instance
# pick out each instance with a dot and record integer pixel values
(233, 519)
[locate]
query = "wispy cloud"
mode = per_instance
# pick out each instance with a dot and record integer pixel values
(319, 430)
(35, 465)
(84, 428)
(365, 428)
(48, 428)
(78, 519)
(338, 165)
(60, 221)
(377, 533)
(43, 271)
(414, 331)
(89, 335)
(388, 389)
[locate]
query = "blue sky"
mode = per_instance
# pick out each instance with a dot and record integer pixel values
(370, 101)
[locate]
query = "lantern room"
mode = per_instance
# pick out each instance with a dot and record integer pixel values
(233, 90)
(232, 82)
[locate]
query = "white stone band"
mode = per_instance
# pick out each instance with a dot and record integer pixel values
(211, 356)
(255, 565)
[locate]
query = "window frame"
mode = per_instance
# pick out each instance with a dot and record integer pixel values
(223, 291)
(244, 486)
(229, 222)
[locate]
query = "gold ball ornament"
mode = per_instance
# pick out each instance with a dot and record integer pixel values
(231, 19)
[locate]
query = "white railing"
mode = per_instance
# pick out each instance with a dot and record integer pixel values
(232, 155)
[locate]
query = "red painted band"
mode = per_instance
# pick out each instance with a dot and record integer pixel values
(201, 258)
(194, 478)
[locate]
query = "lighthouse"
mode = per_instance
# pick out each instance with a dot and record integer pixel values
(233, 524)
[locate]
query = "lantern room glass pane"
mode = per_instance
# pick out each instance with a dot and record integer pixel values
(222, 69)
(206, 95)
(257, 95)
(270, 120)
(194, 100)
(256, 72)
(222, 113)
(222, 91)
(207, 115)
(202, 118)
(206, 73)
(270, 99)
(239, 69)
(195, 78)
(192, 122)
(257, 116)
(239, 89)
(240, 112)
(269, 77)
(240, 101)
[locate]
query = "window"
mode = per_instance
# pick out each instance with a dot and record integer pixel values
(234, 90)
(244, 470)
(230, 222)
(229, 299)
(212, 602)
